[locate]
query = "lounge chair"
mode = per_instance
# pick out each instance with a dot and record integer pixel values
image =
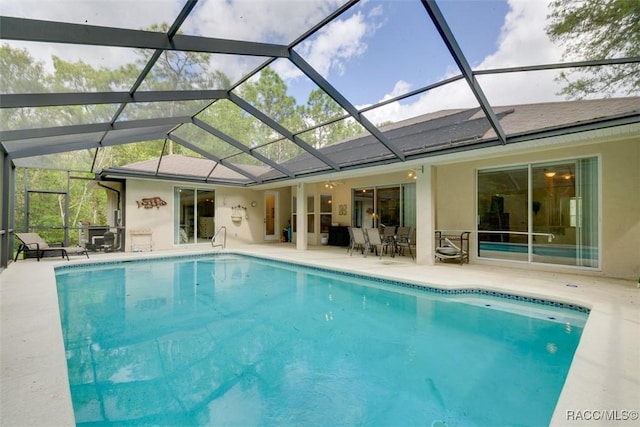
(32, 242)
(453, 248)
(358, 240)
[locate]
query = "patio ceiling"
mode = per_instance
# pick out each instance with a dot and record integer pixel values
(192, 114)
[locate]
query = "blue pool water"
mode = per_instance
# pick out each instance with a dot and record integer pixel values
(561, 251)
(231, 340)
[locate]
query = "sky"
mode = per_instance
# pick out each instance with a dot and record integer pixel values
(374, 51)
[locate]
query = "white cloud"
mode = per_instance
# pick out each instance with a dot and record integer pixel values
(330, 49)
(278, 22)
(522, 41)
(336, 43)
(119, 13)
(400, 88)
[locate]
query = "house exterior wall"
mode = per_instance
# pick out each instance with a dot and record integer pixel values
(620, 198)
(159, 221)
(454, 186)
(251, 228)
(341, 194)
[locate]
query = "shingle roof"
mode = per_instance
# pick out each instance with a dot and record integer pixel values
(186, 166)
(446, 129)
(429, 133)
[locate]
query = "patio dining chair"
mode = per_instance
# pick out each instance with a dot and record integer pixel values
(33, 243)
(375, 241)
(358, 240)
(407, 242)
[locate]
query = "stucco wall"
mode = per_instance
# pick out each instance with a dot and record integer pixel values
(455, 202)
(620, 171)
(251, 228)
(160, 220)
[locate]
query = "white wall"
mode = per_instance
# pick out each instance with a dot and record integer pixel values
(160, 221)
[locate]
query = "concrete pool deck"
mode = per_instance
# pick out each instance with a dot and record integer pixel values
(602, 387)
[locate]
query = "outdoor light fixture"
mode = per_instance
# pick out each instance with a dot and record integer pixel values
(331, 184)
(413, 173)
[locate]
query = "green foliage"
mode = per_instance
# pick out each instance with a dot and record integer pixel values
(172, 71)
(45, 190)
(120, 155)
(269, 95)
(20, 74)
(322, 109)
(230, 120)
(594, 30)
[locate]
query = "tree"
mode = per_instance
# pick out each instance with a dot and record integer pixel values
(229, 119)
(20, 74)
(81, 77)
(176, 70)
(594, 30)
(321, 108)
(269, 94)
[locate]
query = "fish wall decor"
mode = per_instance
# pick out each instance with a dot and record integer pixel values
(151, 202)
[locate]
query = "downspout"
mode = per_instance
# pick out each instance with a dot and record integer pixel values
(114, 190)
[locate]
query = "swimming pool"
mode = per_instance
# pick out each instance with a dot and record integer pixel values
(234, 340)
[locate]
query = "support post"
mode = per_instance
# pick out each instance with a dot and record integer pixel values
(425, 215)
(301, 217)
(7, 209)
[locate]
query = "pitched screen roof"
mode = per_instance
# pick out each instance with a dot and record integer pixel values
(196, 95)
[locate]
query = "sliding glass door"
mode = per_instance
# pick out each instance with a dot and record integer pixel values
(194, 215)
(385, 206)
(502, 214)
(542, 213)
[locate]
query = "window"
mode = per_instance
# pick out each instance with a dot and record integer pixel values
(543, 213)
(294, 214)
(325, 213)
(310, 215)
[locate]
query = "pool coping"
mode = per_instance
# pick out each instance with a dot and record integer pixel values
(603, 380)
